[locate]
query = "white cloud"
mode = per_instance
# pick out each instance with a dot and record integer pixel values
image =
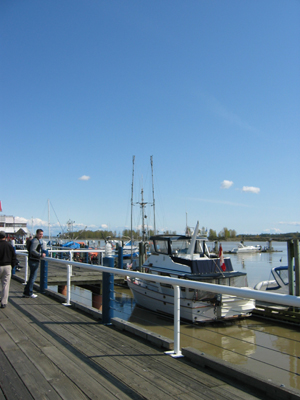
(272, 230)
(104, 226)
(290, 223)
(229, 203)
(226, 184)
(21, 220)
(84, 178)
(250, 189)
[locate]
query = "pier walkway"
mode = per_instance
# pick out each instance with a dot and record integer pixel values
(48, 351)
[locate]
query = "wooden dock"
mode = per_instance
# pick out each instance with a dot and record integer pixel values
(276, 312)
(50, 351)
(57, 275)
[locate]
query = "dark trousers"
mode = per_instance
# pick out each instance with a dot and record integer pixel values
(34, 266)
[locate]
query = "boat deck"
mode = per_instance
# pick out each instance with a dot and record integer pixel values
(48, 351)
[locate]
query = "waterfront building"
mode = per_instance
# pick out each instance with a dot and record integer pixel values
(12, 227)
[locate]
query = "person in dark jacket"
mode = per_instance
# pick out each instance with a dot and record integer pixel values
(8, 260)
(35, 254)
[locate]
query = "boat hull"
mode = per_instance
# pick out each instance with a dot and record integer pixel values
(155, 297)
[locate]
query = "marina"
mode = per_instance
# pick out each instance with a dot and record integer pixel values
(156, 228)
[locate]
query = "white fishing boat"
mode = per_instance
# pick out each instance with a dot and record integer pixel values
(246, 249)
(188, 257)
(280, 283)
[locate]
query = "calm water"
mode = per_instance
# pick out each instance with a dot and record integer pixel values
(266, 348)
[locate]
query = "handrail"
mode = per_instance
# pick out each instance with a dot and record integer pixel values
(277, 298)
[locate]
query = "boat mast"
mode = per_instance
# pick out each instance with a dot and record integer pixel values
(154, 226)
(142, 204)
(131, 236)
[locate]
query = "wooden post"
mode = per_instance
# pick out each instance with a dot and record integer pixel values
(62, 289)
(297, 267)
(97, 301)
(290, 256)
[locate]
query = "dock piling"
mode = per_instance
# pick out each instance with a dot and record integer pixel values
(297, 267)
(108, 291)
(44, 274)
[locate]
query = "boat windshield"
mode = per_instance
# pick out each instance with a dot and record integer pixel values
(161, 246)
(283, 275)
(180, 246)
(176, 246)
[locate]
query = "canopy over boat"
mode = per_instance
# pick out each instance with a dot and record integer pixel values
(71, 245)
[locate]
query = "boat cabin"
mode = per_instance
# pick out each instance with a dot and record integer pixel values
(176, 245)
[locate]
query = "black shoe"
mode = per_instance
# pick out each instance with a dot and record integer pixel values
(3, 305)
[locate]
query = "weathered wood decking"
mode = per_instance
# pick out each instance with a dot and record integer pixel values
(48, 351)
(57, 275)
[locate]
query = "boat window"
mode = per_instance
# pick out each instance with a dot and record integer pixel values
(180, 246)
(284, 275)
(161, 246)
(198, 247)
(151, 247)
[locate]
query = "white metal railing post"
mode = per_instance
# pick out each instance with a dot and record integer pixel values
(176, 352)
(71, 259)
(69, 269)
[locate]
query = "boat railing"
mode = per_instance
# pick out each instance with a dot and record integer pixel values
(281, 299)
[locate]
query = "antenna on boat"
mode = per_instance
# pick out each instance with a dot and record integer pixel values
(131, 233)
(186, 225)
(154, 226)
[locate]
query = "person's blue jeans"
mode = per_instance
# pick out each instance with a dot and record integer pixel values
(34, 266)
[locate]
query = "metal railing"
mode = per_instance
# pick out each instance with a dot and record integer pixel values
(282, 299)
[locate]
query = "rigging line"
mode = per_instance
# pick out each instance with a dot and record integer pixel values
(57, 218)
(46, 206)
(214, 261)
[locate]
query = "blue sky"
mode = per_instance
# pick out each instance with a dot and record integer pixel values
(210, 89)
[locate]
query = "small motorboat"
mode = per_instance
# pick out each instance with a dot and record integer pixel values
(280, 283)
(245, 249)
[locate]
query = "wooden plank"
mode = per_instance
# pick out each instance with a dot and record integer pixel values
(148, 375)
(235, 393)
(157, 366)
(92, 381)
(65, 387)
(12, 387)
(129, 372)
(26, 369)
(98, 359)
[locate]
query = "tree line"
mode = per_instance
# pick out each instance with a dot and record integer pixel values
(224, 234)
